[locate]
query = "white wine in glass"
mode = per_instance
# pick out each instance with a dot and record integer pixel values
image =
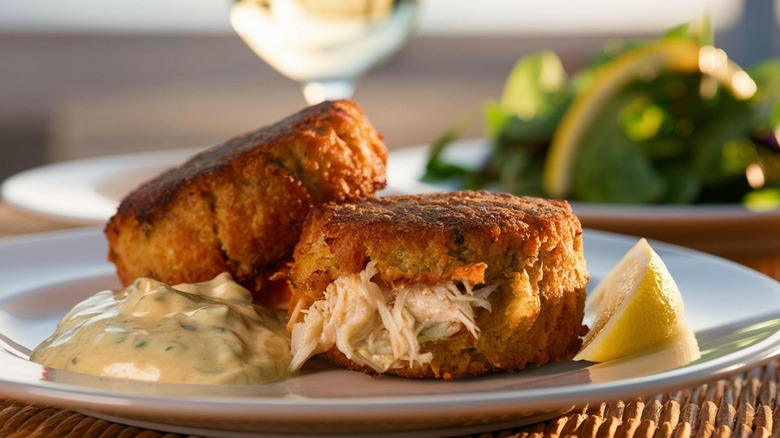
(326, 45)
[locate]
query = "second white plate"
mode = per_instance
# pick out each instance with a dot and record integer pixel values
(88, 191)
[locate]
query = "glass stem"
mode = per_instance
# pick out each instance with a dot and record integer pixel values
(319, 91)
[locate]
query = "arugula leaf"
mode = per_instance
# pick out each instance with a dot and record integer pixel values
(606, 54)
(700, 31)
(437, 168)
(613, 169)
(534, 99)
(518, 155)
(679, 31)
(767, 78)
(721, 150)
(516, 131)
(766, 106)
(495, 118)
(774, 116)
(762, 200)
(522, 123)
(535, 86)
(683, 186)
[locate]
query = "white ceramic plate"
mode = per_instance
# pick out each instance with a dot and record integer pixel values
(735, 313)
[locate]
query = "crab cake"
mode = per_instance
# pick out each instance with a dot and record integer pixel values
(239, 207)
(440, 285)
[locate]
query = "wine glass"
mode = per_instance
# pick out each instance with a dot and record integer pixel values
(326, 45)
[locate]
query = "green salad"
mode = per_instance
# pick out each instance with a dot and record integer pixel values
(667, 121)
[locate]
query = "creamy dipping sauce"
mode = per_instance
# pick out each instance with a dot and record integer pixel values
(205, 333)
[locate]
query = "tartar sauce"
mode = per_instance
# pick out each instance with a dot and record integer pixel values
(205, 333)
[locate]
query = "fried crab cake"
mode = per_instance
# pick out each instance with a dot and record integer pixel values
(441, 285)
(239, 207)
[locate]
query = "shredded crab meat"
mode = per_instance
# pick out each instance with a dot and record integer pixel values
(385, 328)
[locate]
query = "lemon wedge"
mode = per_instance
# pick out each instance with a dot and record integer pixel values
(637, 306)
(666, 55)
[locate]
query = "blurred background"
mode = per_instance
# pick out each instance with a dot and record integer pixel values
(94, 77)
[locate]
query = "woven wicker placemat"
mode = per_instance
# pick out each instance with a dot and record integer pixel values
(744, 405)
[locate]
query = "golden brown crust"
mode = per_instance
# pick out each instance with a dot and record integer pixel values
(532, 249)
(239, 206)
